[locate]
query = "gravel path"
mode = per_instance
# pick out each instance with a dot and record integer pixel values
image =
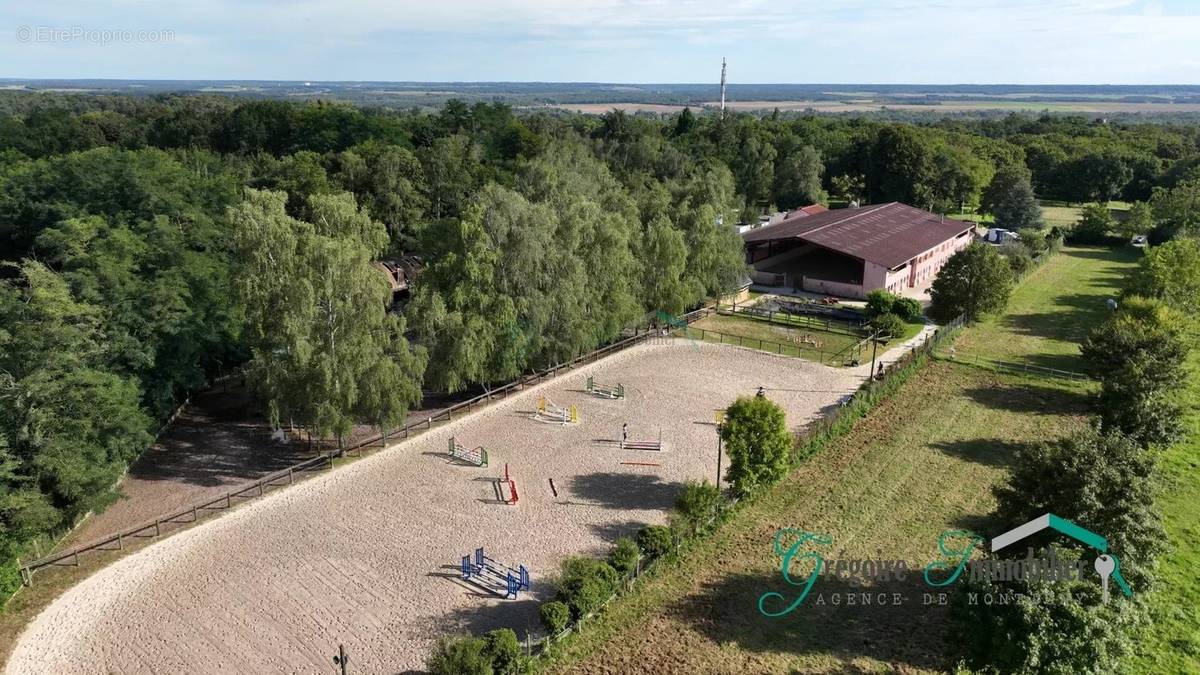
(366, 555)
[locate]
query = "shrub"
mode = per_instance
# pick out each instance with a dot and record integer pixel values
(1017, 256)
(1046, 627)
(1093, 226)
(555, 616)
(1138, 220)
(459, 655)
(879, 302)
(757, 441)
(1171, 273)
(695, 506)
(502, 648)
(1138, 354)
(1104, 482)
(889, 325)
(1033, 240)
(654, 540)
(624, 556)
(908, 309)
(1054, 240)
(586, 584)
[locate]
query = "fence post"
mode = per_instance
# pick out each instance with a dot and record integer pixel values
(157, 532)
(289, 475)
(77, 557)
(120, 541)
(193, 514)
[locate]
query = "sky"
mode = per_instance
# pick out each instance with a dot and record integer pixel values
(635, 41)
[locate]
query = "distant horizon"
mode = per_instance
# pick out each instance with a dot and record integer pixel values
(714, 83)
(603, 82)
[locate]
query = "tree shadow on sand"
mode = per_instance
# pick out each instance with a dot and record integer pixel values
(481, 615)
(611, 532)
(624, 491)
(907, 635)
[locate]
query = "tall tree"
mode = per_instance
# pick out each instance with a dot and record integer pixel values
(901, 167)
(758, 442)
(798, 171)
(975, 281)
(1009, 197)
(1138, 356)
(316, 314)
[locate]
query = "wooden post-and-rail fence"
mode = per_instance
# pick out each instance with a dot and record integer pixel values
(190, 514)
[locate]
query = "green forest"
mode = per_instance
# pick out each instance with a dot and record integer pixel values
(150, 244)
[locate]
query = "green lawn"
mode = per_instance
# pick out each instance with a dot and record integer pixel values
(1064, 215)
(1053, 308)
(772, 334)
(1171, 644)
(779, 332)
(922, 462)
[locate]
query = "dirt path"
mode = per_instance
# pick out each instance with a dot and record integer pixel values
(217, 443)
(366, 555)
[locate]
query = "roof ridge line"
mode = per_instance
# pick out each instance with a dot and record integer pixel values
(857, 212)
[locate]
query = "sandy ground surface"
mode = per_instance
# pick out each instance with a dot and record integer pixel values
(215, 444)
(367, 555)
(219, 443)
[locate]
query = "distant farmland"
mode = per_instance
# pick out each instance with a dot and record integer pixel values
(867, 105)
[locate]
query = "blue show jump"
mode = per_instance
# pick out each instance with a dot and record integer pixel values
(495, 576)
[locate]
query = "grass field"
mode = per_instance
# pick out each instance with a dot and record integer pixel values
(922, 462)
(1053, 308)
(754, 328)
(1054, 213)
(1063, 215)
(1171, 644)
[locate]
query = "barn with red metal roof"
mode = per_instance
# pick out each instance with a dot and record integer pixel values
(851, 252)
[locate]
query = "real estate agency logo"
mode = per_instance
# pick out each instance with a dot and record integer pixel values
(798, 549)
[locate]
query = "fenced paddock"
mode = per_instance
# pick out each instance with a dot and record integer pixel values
(167, 521)
(364, 555)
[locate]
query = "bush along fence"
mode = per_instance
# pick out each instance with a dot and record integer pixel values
(660, 546)
(190, 514)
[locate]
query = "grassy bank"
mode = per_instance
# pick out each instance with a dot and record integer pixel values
(1171, 643)
(1053, 308)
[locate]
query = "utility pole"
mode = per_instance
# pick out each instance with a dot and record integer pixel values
(874, 348)
(722, 87)
(341, 659)
(719, 439)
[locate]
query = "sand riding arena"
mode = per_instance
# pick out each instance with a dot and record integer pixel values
(369, 555)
